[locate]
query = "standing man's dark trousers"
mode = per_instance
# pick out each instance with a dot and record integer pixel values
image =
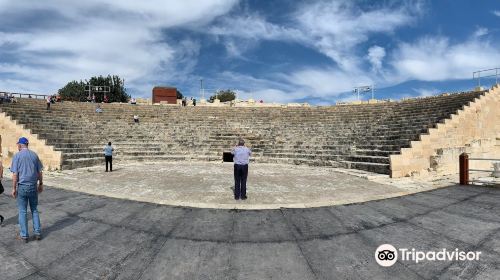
(110, 160)
(240, 181)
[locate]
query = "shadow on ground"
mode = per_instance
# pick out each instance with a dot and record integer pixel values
(95, 237)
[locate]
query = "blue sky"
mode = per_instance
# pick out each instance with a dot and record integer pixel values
(278, 51)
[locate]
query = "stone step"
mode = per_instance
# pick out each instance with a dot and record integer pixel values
(368, 166)
(117, 153)
(303, 156)
(87, 162)
(375, 152)
(368, 159)
(351, 136)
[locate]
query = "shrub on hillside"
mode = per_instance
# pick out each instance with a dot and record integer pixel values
(223, 96)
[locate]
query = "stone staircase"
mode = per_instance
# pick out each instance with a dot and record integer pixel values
(349, 136)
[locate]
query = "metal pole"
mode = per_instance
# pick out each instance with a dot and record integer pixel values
(464, 169)
(202, 89)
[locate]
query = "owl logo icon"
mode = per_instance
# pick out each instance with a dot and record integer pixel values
(386, 255)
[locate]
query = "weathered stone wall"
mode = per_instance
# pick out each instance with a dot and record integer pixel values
(446, 160)
(10, 132)
(473, 129)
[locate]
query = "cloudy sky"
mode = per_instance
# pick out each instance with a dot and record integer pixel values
(275, 50)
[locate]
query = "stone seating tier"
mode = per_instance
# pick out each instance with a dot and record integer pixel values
(355, 136)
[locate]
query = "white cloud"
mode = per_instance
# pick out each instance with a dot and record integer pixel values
(130, 38)
(496, 13)
(327, 82)
(153, 13)
(236, 48)
(348, 98)
(333, 28)
(268, 95)
(252, 26)
(481, 31)
(424, 92)
(272, 88)
(435, 59)
(336, 27)
(242, 33)
(427, 59)
(375, 55)
(90, 38)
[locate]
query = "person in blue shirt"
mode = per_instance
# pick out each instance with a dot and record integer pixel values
(108, 156)
(241, 158)
(26, 170)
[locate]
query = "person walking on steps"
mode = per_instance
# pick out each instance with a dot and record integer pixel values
(241, 158)
(26, 170)
(108, 156)
(48, 102)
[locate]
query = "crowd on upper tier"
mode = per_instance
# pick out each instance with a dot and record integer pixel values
(7, 98)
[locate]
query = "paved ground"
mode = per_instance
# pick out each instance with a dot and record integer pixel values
(95, 237)
(209, 185)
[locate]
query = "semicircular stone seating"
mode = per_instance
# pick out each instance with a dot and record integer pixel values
(350, 136)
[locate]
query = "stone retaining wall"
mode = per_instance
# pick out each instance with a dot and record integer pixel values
(479, 121)
(10, 132)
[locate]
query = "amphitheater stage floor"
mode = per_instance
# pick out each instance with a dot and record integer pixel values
(209, 184)
(95, 237)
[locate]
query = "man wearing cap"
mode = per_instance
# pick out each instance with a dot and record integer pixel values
(241, 157)
(26, 171)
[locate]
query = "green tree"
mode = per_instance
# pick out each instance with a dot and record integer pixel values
(75, 91)
(179, 95)
(223, 96)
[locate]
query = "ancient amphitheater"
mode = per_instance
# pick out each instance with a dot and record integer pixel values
(327, 186)
(395, 138)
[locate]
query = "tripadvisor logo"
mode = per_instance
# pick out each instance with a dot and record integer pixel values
(387, 255)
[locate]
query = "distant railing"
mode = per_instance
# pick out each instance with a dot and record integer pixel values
(24, 95)
(465, 170)
(487, 73)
